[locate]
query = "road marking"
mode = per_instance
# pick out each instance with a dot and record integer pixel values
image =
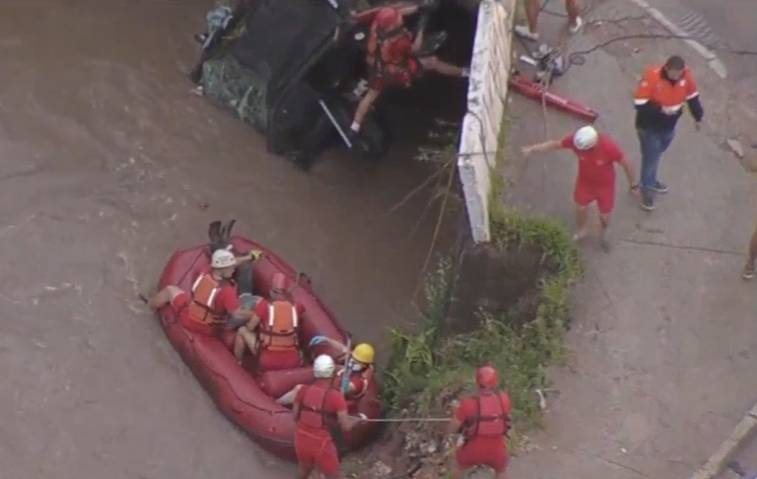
(713, 62)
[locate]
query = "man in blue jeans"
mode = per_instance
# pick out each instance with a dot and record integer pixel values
(659, 99)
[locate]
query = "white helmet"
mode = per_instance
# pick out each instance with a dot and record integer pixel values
(585, 138)
(223, 258)
(324, 366)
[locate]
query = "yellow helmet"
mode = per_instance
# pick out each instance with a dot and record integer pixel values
(364, 353)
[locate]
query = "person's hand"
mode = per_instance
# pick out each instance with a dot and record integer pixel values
(527, 150)
(635, 190)
(698, 125)
(362, 416)
(255, 254)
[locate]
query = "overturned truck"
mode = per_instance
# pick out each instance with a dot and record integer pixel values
(294, 71)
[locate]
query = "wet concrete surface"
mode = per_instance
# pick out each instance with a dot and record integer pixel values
(107, 164)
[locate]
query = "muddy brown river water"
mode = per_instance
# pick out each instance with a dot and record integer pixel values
(108, 163)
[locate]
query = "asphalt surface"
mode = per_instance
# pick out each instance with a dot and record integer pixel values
(108, 163)
(720, 25)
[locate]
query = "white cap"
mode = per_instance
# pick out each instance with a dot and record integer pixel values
(585, 138)
(324, 366)
(223, 259)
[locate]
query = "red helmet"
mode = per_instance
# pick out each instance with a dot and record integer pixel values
(387, 17)
(278, 283)
(487, 377)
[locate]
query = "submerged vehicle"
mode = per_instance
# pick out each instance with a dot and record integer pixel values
(245, 395)
(296, 71)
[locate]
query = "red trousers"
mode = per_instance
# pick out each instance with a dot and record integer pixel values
(483, 451)
(317, 450)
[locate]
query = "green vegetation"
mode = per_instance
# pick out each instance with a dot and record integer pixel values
(519, 331)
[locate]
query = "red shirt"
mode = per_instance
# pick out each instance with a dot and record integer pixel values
(469, 407)
(261, 310)
(596, 166)
(334, 403)
(401, 47)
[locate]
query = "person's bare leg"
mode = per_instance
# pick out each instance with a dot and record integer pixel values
(363, 108)
(444, 68)
(245, 339)
(164, 296)
(532, 15)
(303, 471)
(749, 271)
(604, 223)
(574, 21)
(582, 215)
(239, 347)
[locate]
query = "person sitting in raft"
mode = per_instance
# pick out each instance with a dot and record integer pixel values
(276, 341)
(212, 306)
(359, 366)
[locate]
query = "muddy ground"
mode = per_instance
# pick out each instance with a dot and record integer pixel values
(107, 164)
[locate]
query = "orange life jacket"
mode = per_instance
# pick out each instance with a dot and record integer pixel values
(491, 418)
(382, 62)
(279, 333)
(313, 411)
(202, 306)
(365, 375)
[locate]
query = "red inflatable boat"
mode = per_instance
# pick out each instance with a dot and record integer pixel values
(245, 397)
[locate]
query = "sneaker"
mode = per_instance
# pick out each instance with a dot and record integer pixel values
(604, 241)
(200, 37)
(524, 32)
(647, 202)
(579, 236)
(660, 187)
(748, 271)
(575, 28)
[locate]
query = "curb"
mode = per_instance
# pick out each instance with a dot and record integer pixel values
(713, 62)
(744, 431)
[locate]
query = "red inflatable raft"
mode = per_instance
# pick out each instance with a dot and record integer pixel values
(245, 397)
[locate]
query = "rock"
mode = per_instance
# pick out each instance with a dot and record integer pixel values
(736, 148)
(431, 447)
(380, 470)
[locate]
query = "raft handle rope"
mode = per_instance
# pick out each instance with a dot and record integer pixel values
(403, 419)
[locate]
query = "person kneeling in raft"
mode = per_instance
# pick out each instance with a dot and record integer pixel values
(359, 364)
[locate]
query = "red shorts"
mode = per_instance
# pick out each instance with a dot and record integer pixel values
(483, 451)
(584, 195)
(278, 360)
(316, 451)
(179, 306)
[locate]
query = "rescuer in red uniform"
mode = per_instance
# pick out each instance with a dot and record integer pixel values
(276, 339)
(392, 59)
(319, 407)
(212, 305)
(483, 420)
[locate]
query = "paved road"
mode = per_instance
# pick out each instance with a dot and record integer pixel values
(725, 23)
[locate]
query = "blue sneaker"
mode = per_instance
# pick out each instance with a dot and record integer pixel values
(660, 187)
(647, 202)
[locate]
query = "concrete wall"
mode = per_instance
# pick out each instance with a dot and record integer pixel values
(487, 92)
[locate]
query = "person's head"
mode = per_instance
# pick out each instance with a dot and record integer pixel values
(585, 138)
(362, 356)
(278, 287)
(487, 377)
(223, 262)
(674, 67)
(388, 18)
(324, 367)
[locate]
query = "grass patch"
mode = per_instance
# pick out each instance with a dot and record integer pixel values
(505, 304)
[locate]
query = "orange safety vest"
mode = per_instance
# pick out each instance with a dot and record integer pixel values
(365, 375)
(382, 62)
(653, 87)
(491, 418)
(202, 306)
(313, 411)
(279, 333)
